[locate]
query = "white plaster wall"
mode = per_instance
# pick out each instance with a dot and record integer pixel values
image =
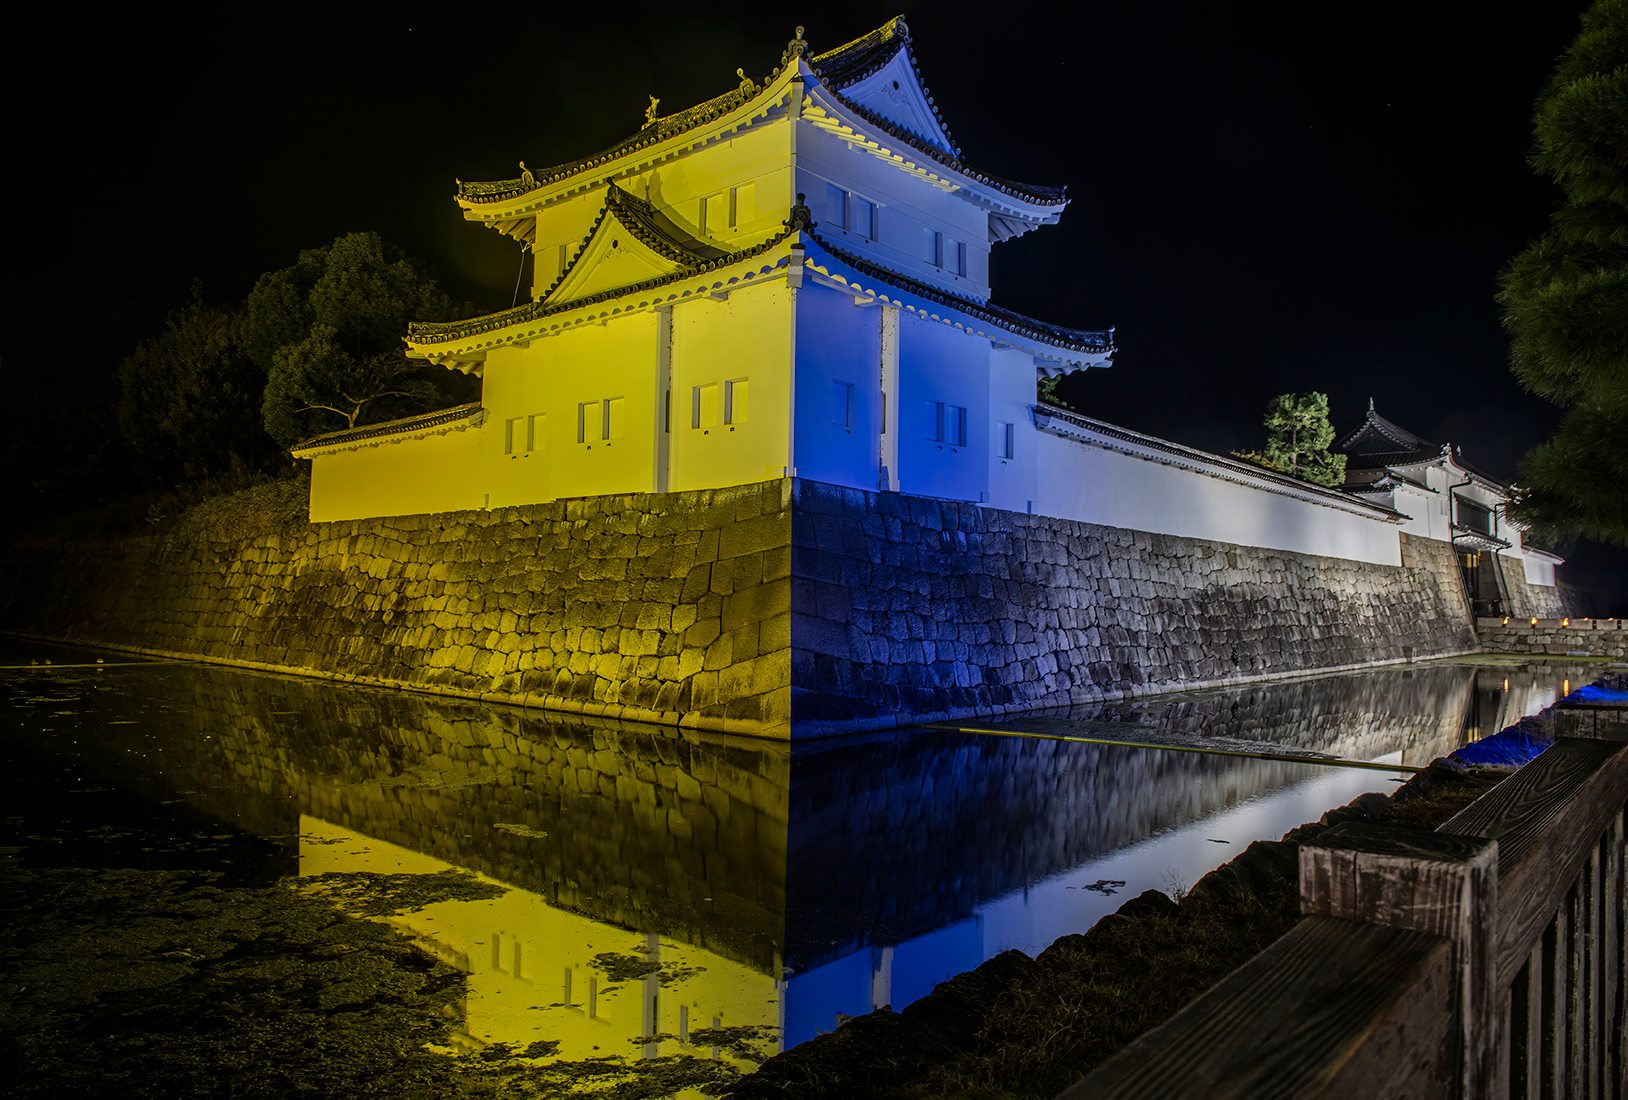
(837, 342)
(1087, 483)
(938, 363)
(907, 205)
(1011, 395)
(1539, 572)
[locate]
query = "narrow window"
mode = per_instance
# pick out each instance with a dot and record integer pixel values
(842, 404)
(745, 204)
(560, 268)
(935, 248)
(1005, 439)
(864, 218)
(614, 420)
(704, 406)
(935, 421)
(957, 426)
(961, 257)
(836, 206)
(534, 431)
(513, 436)
(716, 218)
(736, 401)
(587, 421)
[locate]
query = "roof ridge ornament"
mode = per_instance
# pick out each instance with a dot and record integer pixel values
(650, 115)
(797, 47)
(801, 216)
(747, 86)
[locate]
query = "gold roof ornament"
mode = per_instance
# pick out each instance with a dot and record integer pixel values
(650, 115)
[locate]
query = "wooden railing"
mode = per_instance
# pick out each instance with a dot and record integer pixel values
(1484, 959)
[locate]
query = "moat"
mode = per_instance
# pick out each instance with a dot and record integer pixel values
(223, 881)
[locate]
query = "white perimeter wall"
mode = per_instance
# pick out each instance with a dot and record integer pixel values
(1078, 481)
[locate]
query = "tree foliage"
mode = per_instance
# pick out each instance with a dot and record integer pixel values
(1298, 437)
(327, 331)
(1565, 298)
(189, 399)
(1046, 391)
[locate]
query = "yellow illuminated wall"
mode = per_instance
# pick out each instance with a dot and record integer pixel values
(428, 473)
(531, 967)
(731, 402)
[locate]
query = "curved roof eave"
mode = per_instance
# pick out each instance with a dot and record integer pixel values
(463, 345)
(1068, 347)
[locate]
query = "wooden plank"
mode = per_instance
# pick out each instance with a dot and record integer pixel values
(1425, 881)
(1616, 1069)
(1588, 901)
(1557, 952)
(1334, 1007)
(1528, 1024)
(1545, 818)
(1574, 994)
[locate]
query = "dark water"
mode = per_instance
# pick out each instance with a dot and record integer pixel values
(226, 881)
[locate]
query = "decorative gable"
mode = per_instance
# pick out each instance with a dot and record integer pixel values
(895, 93)
(630, 242)
(878, 74)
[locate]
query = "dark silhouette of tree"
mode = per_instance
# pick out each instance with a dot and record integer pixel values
(1298, 437)
(1565, 298)
(328, 333)
(189, 398)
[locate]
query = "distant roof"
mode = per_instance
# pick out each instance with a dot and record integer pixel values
(1377, 442)
(835, 69)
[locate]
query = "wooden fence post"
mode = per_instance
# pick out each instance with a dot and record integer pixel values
(1425, 882)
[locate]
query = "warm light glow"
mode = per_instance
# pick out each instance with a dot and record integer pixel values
(1565, 688)
(1565, 622)
(1506, 620)
(1534, 620)
(1506, 678)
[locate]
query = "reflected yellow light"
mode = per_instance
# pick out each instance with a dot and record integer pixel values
(1565, 622)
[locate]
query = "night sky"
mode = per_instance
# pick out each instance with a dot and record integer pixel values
(1266, 196)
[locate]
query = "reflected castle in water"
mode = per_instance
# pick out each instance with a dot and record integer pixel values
(655, 886)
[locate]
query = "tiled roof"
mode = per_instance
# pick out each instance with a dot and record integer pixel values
(427, 332)
(434, 419)
(1073, 339)
(655, 231)
(836, 69)
(1379, 442)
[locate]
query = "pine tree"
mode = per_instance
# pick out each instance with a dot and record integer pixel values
(1565, 298)
(1298, 437)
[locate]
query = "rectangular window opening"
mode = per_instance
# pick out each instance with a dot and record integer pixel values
(513, 436)
(842, 404)
(587, 421)
(836, 206)
(1006, 439)
(935, 421)
(704, 406)
(957, 426)
(615, 421)
(736, 401)
(864, 218)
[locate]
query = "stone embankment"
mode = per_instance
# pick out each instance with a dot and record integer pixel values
(672, 608)
(1555, 637)
(910, 606)
(788, 607)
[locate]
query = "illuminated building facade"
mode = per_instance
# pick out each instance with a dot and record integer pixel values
(790, 279)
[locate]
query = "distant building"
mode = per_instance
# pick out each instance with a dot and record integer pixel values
(1443, 497)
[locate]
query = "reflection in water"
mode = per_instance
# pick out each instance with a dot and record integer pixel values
(539, 974)
(649, 892)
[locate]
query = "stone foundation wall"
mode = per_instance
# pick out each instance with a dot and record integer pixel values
(741, 609)
(1580, 637)
(670, 608)
(1546, 601)
(938, 609)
